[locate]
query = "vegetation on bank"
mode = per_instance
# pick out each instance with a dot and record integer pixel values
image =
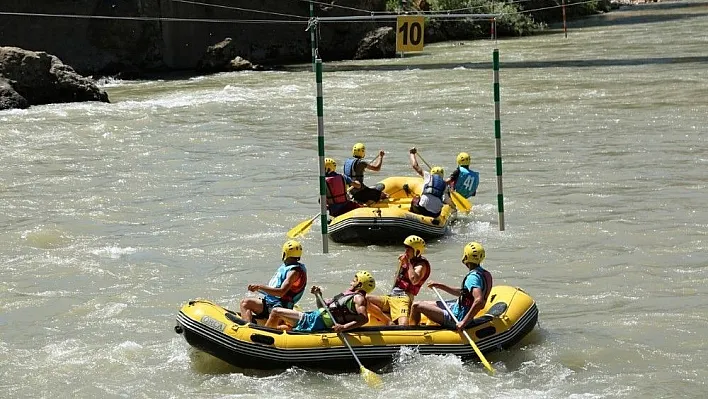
(519, 17)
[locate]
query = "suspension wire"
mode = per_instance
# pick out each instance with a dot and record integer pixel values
(367, 18)
(199, 3)
(303, 21)
(163, 19)
(337, 6)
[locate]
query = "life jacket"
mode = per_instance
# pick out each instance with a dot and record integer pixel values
(342, 305)
(436, 187)
(297, 288)
(403, 282)
(466, 298)
(467, 182)
(336, 189)
(350, 166)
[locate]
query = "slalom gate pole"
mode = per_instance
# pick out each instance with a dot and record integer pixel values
(497, 137)
(320, 150)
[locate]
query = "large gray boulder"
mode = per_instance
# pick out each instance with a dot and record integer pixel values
(224, 57)
(41, 78)
(378, 43)
(9, 98)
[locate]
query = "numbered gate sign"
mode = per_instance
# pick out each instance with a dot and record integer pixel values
(409, 33)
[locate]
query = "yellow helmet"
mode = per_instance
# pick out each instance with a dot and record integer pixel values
(330, 165)
(292, 249)
(473, 253)
(415, 242)
(366, 281)
(463, 159)
(359, 150)
(437, 170)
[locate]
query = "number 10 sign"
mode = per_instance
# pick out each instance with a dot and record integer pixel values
(409, 33)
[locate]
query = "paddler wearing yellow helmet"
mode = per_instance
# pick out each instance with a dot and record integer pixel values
(345, 311)
(284, 289)
(471, 295)
(435, 191)
(354, 168)
(464, 180)
(413, 271)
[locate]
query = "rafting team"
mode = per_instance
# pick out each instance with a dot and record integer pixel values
(347, 191)
(351, 308)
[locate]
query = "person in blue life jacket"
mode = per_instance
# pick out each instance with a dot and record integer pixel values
(471, 296)
(354, 168)
(349, 309)
(284, 289)
(338, 202)
(435, 192)
(464, 180)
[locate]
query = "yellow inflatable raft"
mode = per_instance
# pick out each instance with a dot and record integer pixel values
(390, 220)
(508, 316)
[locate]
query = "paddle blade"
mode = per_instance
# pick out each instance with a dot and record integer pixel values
(460, 202)
(302, 228)
(371, 378)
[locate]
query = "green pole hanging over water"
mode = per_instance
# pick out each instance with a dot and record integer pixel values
(321, 151)
(497, 137)
(313, 35)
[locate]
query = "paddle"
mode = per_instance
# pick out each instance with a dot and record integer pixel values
(302, 228)
(369, 376)
(469, 339)
(459, 201)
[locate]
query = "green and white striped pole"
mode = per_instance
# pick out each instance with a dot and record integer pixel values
(313, 35)
(497, 137)
(321, 152)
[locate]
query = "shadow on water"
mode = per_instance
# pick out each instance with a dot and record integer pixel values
(578, 63)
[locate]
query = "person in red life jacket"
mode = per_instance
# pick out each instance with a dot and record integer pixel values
(347, 308)
(338, 202)
(284, 289)
(463, 179)
(471, 296)
(412, 272)
(354, 168)
(435, 191)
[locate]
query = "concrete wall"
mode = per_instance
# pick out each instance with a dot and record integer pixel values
(113, 45)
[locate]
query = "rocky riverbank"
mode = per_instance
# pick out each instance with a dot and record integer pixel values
(34, 78)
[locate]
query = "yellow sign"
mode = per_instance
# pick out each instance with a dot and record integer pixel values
(409, 33)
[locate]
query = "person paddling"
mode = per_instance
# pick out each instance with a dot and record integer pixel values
(338, 202)
(463, 179)
(435, 192)
(347, 308)
(354, 168)
(284, 289)
(412, 272)
(471, 296)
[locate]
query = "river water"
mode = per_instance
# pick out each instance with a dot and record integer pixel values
(114, 215)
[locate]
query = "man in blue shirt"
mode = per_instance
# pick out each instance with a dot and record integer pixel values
(471, 296)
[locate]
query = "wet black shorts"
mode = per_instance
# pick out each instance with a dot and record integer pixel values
(266, 310)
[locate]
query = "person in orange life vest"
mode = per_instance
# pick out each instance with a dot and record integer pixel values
(472, 295)
(463, 179)
(347, 308)
(284, 289)
(412, 272)
(354, 168)
(435, 191)
(338, 202)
